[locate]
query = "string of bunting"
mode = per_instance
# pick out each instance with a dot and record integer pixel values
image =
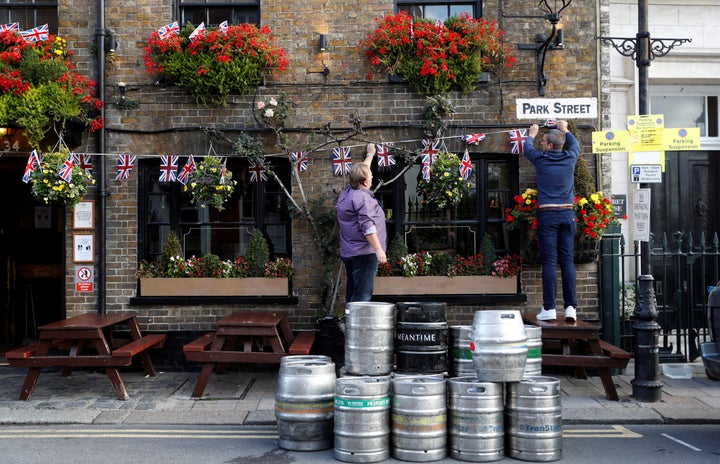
(341, 158)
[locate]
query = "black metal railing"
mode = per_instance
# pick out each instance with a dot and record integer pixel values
(684, 271)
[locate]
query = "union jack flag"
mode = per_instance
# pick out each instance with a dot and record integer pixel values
(32, 163)
(84, 162)
(552, 123)
(198, 32)
(473, 139)
(466, 166)
(223, 171)
(385, 159)
(189, 167)
(36, 34)
(302, 164)
(426, 169)
(517, 138)
(342, 164)
(223, 27)
(66, 170)
(168, 168)
(10, 27)
(169, 30)
(125, 165)
(431, 148)
(257, 173)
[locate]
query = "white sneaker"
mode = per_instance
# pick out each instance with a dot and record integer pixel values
(570, 314)
(547, 315)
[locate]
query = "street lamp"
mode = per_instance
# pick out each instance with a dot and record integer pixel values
(643, 49)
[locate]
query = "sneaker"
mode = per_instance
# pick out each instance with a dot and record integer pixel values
(570, 314)
(547, 315)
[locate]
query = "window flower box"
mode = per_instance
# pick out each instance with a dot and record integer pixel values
(211, 286)
(442, 285)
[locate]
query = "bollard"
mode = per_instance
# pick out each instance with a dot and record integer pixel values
(646, 386)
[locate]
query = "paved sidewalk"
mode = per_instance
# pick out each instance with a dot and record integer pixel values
(247, 398)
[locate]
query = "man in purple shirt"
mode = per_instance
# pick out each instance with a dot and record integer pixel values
(363, 238)
(555, 170)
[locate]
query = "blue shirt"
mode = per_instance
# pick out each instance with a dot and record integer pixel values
(555, 171)
(359, 214)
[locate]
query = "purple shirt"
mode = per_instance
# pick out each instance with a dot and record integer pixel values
(359, 214)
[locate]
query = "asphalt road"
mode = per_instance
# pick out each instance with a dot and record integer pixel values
(633, 444)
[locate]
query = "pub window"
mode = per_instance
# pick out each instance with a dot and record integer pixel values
(164, 207)
(457, 230)
(214, 12)
(30, 13)
(440, 11)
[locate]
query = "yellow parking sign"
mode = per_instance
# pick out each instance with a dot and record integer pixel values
(679, 139)
(610, 141)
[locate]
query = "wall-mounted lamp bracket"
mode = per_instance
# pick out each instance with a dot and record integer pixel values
(322, 44)
(543, 43)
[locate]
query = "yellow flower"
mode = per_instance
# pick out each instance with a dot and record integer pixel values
(595, 198)
(446, 174)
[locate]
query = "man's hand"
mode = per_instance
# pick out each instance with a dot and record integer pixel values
(562, 125)
(533, 130)
(370, 149)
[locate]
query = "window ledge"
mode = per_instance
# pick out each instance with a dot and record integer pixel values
(211, 300)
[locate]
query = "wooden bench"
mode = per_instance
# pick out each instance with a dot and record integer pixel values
(198, 350)
(143, 343)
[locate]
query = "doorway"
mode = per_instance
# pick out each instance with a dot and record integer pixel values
(32, 258)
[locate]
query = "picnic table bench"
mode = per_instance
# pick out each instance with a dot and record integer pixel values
(578, 345)
(246, 337)
(85, 341)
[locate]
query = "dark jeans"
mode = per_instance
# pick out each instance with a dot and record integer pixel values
(556, 237)
(360, 277)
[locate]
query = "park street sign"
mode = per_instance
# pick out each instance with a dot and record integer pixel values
(556, 108)
(646, 173)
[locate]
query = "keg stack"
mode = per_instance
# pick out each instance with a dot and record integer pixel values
(506, 355)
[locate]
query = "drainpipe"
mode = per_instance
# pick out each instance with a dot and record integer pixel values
(100, 143)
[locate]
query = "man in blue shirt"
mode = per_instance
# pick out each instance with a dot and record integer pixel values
(363, 237)
(555, 169)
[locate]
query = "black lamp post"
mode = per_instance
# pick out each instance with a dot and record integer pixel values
(646, 385)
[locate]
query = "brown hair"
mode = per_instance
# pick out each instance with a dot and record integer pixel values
(359, 173)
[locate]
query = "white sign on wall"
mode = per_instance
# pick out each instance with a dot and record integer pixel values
(641, 215)
(557, 108)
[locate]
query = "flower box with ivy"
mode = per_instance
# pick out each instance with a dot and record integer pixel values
(49, 187)
(593, 216)
(216, 63)
(40, 89)
(432, 57)
(211, 183)
(424, 273)
(254, 274)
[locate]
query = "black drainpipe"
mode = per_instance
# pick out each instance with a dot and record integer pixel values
(101, 189)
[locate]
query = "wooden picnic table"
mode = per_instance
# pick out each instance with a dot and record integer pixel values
(246, 337)
(578, 345)
(85, 341)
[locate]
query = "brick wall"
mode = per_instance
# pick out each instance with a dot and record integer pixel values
(167, 119)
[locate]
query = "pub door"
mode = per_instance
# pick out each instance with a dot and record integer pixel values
(32, 252)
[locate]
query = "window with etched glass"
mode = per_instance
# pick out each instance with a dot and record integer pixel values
(30, 13)
(214, 12)
(166, 207)
(440, 11)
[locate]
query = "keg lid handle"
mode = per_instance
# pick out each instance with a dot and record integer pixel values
(351, 391)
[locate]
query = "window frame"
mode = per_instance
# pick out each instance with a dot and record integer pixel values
(406, 4)
(711, 95)
(182, 5)
(7, 6)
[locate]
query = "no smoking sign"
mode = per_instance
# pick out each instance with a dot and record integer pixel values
(84, 276)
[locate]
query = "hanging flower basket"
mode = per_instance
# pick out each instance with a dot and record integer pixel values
(216, 63)
(211, 184)
(50, 188)
(446, 186)
(432, 57)
(40, 88)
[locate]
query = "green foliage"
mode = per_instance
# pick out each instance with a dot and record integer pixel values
(446, 186)
(396, 249)
(487, 250)
(211, 184)
(437, 110)
(172, 247)
(441, 263)
(257, 254)
(211, 265)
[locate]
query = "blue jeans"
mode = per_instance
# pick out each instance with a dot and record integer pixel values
(360, 271)
(556, 237)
